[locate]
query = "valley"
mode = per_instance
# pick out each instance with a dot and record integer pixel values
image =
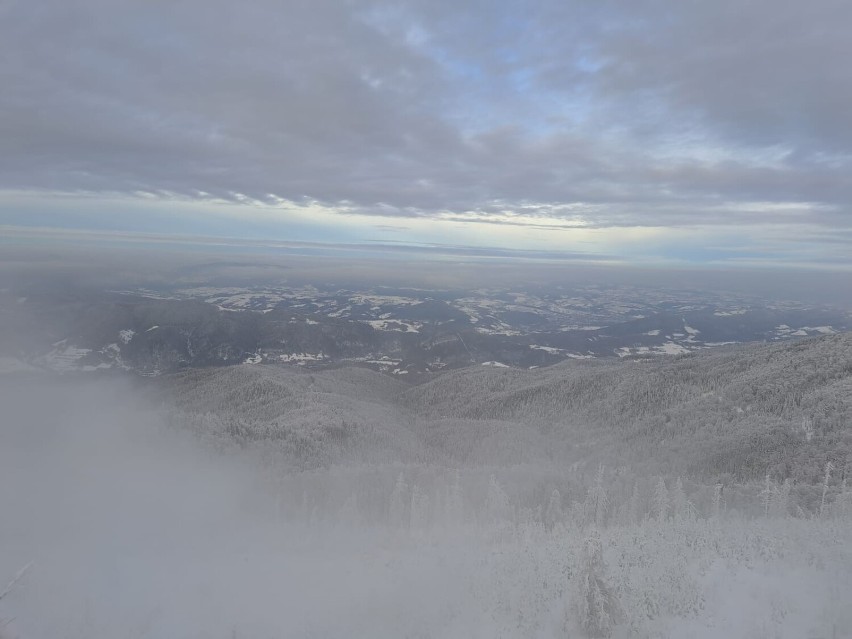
(405, 332)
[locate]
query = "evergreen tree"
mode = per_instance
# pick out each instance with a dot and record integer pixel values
(594, 603)
(717, 501)
(767, 494)
(679, 504)
(399, 501)
(661, 500)
(826, 479)
(553, 512)
(454, 502)
(497, 501)
(597, 500)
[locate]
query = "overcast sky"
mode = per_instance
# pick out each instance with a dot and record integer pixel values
(651, 131)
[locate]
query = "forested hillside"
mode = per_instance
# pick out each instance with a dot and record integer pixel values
(735, 415)
(782, 408)
(705, 495)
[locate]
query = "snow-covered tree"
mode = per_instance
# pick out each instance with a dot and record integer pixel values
(717, 500)
(767, 495)
(454, 502)
(497, 505)
(597, 500)
(553, 512)
(826, 479)
(594, 605)
(662, 503)
(419, 509)
(399, 502)
(681, 508)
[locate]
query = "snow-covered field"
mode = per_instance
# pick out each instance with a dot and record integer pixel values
(395, 325)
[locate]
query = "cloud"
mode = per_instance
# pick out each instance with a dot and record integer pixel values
(605, 114)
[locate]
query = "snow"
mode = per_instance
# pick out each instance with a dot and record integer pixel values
(372, 300)
(496, 364)
(399, 326)
(471, 312)
(137, 531)
(14, 365)
(653, 333)
(88, 368)
(385, 361)
(548, 349)
(126, 335)
(154, 327)
(114, 350)
(804, 331)
(668, 348)
(64, 357)
(257, 358)
(825, 330)
(341, 312)
(502, 329)
(302, 358)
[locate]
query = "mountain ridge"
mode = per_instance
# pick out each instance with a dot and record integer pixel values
(742, 412)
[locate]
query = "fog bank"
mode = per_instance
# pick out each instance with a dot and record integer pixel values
(137, 530)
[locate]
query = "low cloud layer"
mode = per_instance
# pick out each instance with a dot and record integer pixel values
(589, 115)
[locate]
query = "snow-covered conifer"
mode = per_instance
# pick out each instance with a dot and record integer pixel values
(662, 502)
(497, 501)
(399, 502)
(767, 495)
(679, 503)
(825, 482)
(717, 500)
(454, 503)
(594, 605)
(419, 509)
(553, 512)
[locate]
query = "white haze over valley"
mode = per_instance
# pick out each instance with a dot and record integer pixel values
(135, 530)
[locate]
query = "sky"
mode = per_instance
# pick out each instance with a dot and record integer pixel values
(655, 132)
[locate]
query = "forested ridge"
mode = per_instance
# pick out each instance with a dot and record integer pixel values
(727, 415)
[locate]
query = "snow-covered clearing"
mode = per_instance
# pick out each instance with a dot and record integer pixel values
(395, 325)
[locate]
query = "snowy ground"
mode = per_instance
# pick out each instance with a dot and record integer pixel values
(136, 531)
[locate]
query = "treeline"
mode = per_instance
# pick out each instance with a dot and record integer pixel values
(423, 497)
